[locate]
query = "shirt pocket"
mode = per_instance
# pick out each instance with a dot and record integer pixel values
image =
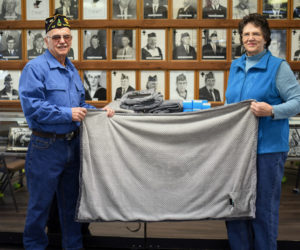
(57, 94)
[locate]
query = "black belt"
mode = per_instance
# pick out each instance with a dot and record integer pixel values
(68, 136)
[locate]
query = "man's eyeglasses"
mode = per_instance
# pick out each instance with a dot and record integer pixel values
(56, 38)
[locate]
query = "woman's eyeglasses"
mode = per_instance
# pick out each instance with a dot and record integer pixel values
(57, 38)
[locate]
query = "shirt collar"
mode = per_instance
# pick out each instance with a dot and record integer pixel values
(261, 58)
(53, 63)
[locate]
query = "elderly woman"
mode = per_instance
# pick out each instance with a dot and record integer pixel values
(270, 81)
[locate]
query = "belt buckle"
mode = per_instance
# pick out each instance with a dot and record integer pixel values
(69, 136)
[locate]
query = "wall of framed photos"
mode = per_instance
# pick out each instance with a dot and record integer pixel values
(101, 31)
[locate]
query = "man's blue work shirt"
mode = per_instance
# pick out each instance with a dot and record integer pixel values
(48, 91)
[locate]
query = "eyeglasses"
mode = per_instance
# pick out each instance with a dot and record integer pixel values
(254, 34)
(57, 38)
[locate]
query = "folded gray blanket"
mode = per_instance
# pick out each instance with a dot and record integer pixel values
(168, 106)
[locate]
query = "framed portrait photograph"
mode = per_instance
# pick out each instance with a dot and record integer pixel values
(153, 44)
(155, 9)
(18, 138)
(211, 85)
(236, 46)
(153, 79)
(241, 8)
(294, 139)
(94, 82)
(124, 44)
(9, 84)
(10, 44)
(295, 48)
(214, 9)
(184, 44)
(296, 9)
(182, 84)
(297, 75)
(185, 9)
(122, 81)
(275, 9)
(69, 8)
(10, 10)
(94, 44)
(124, 9)
(37, 10)
(214, 44)
(35, 43)
(94, 9)
(278, 43)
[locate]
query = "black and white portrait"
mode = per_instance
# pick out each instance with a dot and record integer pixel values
(155, 9)
(18, 138)
(35, 43)
(10, 45)
(275, 9)
(9, 84)
(237, 48)
(37, 9)
(297, 75)
(122, 81)
(214, 44)
(73, 53)
(214, 9)
(184, 44)
(10, 10)
(124, 44)
(182, 85)
(69, 8)
(94, 9)
(278, 43)
(241, 8)
(153, 44)
(124, 9)
(296, 9)
(295, 48)
(95, 85)
(153, 79)
(211, 86)
(294, 141)
(94, 44)
(185, 9)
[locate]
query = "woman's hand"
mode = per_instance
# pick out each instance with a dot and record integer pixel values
(261, 109)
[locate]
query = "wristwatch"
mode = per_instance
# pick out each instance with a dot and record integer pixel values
(272, 115)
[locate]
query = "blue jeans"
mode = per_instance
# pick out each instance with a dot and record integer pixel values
(261, 232)
(52, 165)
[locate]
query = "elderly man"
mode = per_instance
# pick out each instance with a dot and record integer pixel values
(209, 92)
(151, 51)
(185, 51)
(38, 46)
(181, 88)
(52, 98)
(122, 9)
(187, 11)
(126, 52)
(9, 10)
(125, 87)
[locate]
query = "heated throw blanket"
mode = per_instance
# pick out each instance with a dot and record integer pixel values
(156, 167)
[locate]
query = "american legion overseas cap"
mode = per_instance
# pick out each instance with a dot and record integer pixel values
(56, 22)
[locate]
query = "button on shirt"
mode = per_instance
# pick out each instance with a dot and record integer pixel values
(48, 91)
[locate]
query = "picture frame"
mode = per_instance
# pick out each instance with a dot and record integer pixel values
(95, 85)
(182, 85)
(9, 84)
(184, 44)
(153, 44)
(35, 43)
(237, 49)
(153, 79)
(216, 9)
(297, 75)
(211, 85)
(278, 43)
(214, 44)
(294, 137)
(124, 44)
(18, 139)
(155, 9)
(295, 46)
(185, 9)
(122, 81)
(93, 10)
(37, 10)
(296, 9)
(241, 8)
(10, 11)
(94, 44)
(10, 44)
(275, 9)
(128, 11)
(69, 8)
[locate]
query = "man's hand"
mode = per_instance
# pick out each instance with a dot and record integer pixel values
(261, 109)
(78, 114)
(110, 112)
